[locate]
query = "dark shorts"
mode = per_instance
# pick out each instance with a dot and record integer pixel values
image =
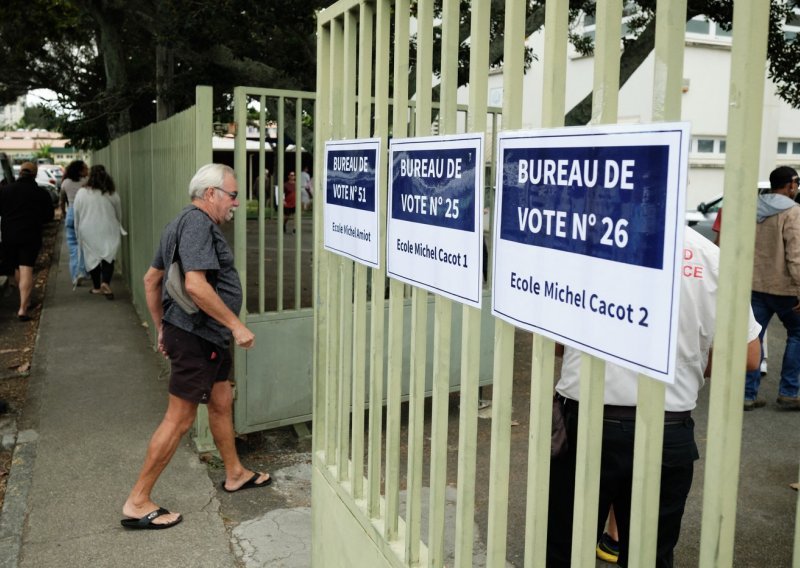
(196, 364)
(21, 254)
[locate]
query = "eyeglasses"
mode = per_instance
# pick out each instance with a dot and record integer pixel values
(232, 194)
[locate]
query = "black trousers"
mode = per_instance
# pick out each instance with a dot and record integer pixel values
(616, 478)
(102, 273)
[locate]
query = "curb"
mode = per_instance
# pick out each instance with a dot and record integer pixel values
(12, 519)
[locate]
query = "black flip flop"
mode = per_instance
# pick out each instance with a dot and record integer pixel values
(146, 522)
(24, 318)
(250, 483)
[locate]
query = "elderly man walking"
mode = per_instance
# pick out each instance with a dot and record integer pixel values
(24, 209)
(197, 344)
(776, 282)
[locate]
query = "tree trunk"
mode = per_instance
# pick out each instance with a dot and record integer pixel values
(165, 61)
(109, 41)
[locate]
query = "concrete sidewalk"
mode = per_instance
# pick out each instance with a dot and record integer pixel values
(97, 392)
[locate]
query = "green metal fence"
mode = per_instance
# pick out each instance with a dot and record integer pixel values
(152, 168)
(356, 474)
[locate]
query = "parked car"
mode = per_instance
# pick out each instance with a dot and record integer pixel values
(702, 219)
(49, 174)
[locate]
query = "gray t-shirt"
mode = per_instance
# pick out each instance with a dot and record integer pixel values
(201, 247)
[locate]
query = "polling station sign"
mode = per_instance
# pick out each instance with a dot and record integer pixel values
(434, 233)
(588, 239)
(351, 204)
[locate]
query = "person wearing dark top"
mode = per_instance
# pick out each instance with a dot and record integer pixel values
(24, 210)
(198, 345)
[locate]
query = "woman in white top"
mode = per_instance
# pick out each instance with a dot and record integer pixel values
(98, 213)
(75, 177)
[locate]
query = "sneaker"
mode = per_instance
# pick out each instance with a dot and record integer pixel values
(753, 404)
(607, 549)
(789, 402)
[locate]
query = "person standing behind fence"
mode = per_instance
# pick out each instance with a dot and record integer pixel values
(98, 218)
(776, 282)
(696, 328)
(198, 345)
(306, 188)
(289, 198)
(75, 177)
(24, 209)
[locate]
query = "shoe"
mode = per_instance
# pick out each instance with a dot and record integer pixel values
(250, 483)
(789, 402)
(146, 522)
(753, 404)
(607, 549)
(106, 290)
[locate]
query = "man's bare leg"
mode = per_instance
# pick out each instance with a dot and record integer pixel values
(220, 420)
(24, 277)
(177, 421)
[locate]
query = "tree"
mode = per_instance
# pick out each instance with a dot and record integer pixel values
(784, 52)
(39, 116)
(110, 60)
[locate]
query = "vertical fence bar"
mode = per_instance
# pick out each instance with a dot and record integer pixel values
(395, 340)
(298, 201)
(513, 71)
(748, 54)
(281, 197)
(377, 333)
(649, 439)
(592, 385)
(543, 349)
(364, 114)
(336, 71)
(262, 125)
(471, 317)
(442, 329)
(346, 266)
(419, 304)
(592, 382)
(320, 279)
(796, 560)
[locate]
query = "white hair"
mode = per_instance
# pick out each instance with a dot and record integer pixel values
(210, 175)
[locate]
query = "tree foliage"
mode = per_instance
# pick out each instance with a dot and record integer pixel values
(100, 56)
(115, 65)
(637, 43)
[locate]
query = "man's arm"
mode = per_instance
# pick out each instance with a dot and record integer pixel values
(152, 293)
(209, 301)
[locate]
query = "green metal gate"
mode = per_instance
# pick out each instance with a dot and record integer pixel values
(356, 474)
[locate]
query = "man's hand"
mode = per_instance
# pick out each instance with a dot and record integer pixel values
(797, 306)
(244, 337)
(161, 347)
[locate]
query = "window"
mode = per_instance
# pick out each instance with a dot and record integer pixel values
(696, 26)
(705, 145)
(789, 147)
(701, 26)
(711, 146)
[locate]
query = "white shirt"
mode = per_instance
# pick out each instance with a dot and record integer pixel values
(696, 326)
(97, 225)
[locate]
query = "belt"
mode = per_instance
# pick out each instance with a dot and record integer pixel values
(613, 412)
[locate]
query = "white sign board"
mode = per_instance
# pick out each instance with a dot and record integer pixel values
(588, 238)
(351, 204)
(434, 233)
